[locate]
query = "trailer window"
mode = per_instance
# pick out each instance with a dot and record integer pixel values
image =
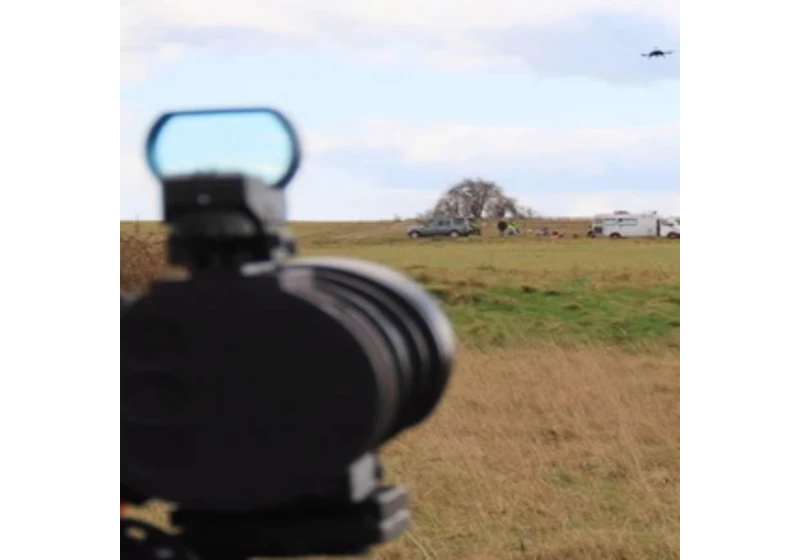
(628, 221)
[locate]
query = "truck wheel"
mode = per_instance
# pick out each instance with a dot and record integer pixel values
(673, 235)
(413, 234)
(615, 235)
(454, 234)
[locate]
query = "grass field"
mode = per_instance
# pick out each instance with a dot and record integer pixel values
(559, 437)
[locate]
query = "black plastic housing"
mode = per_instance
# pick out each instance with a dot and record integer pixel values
(247, 391)
(256, 391)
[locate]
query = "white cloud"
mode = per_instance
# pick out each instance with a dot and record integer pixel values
(587, 149)
(132, 68)
(314, 142)
(325, 191)
(317, 193)
(448, 30)
(309, 18)
(334, 193)
(443, 59)
(342, 194)
(137, 62)
(584, 204)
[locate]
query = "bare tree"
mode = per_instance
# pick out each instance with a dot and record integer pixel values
(476, 199)
(527, 212)
(425, 216)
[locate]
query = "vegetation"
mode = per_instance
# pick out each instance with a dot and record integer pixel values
(477, 198)
(560, 436)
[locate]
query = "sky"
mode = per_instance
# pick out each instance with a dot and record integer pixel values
(396, 101)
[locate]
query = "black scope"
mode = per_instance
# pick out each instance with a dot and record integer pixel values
(264, 382)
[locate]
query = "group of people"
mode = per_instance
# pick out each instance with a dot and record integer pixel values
(507, 228)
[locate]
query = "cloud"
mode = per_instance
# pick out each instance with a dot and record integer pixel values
(382, 168)
(604, 46)
(586, 150)
(557, 171)
(336, 193)
(136, 63)
(552, 37)
(584, 204)
(319, 192)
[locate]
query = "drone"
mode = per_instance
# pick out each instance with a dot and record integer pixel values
(656, 52)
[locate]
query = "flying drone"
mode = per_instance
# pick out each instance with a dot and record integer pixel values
(656, 52)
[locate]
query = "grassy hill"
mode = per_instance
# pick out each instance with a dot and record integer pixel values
(499, 291)
(559, 438)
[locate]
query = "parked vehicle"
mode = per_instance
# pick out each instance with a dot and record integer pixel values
(671, 228)
(623, 224)
(452, 227)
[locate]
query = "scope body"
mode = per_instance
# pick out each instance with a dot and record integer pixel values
(257, 390)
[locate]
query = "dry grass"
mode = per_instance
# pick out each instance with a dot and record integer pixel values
(545, 452)
(491, 260)
(377, 232)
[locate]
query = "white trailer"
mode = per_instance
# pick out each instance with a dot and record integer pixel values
(623, 224)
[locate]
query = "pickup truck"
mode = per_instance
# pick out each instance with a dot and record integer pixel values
(451, 227)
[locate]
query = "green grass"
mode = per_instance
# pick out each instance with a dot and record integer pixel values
(506, 291)
(564, 313)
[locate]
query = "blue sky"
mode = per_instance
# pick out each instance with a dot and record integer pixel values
(397, 101)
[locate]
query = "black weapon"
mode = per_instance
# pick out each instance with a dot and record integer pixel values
(256, 391)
